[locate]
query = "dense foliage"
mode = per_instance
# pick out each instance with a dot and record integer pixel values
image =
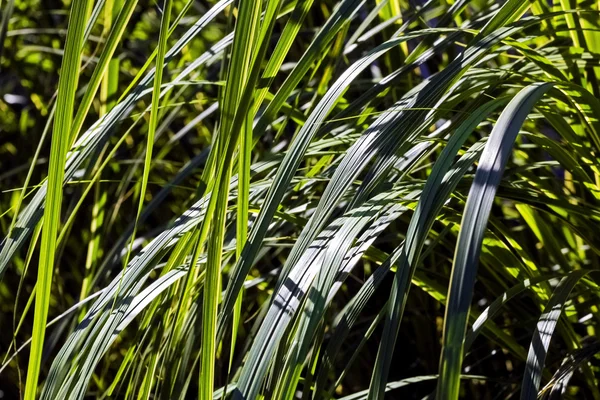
(299, 199)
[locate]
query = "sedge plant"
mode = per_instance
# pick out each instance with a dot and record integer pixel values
(299, 199)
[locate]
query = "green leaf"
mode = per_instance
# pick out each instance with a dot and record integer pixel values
(472, 229)
(543, 333)
(67, 87)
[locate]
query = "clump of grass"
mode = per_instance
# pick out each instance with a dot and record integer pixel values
(300, 200)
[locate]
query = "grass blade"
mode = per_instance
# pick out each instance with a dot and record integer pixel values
(475, 217)
(67, 87)
(543, 335)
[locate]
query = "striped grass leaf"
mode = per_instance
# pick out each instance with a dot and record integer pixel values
(112, 41)
(290, 163)
(101, 317)
(67, 87)
(245, 154)
(363, 395)
(160, 60)
(99, 132)
(475, 216)
(543, 333)
(558, 385)
(233, 108)
(438, 187)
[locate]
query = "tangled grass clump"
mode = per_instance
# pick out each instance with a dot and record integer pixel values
(299, 199)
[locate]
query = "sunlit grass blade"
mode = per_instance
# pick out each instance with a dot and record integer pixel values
(560, 381)
(67, 88)
(98, 133)
(438, 187)
(363, 395)
(238, 81)
(543, 333)
(156, 95)
(472, 229)
(114, 37)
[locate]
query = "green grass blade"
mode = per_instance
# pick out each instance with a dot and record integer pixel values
(112, 41)
(156, 94)
(543, 333)
(100, 131)
(67, 87)
(242, 57)
(436, 191)
(474, 222)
